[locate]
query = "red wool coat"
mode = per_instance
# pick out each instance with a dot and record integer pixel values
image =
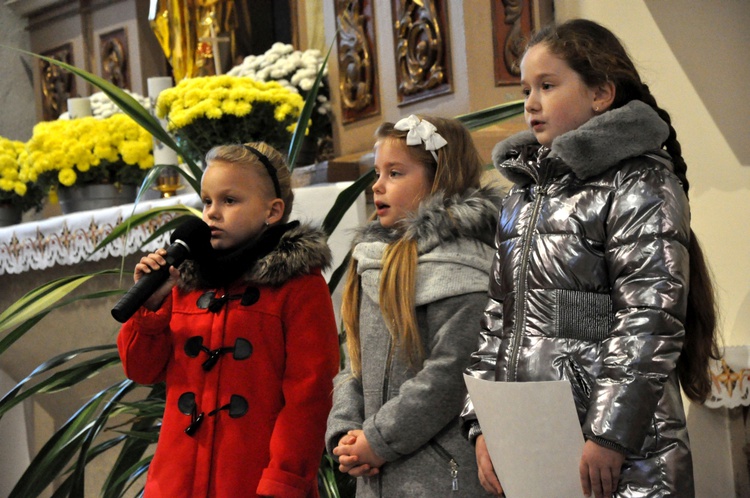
(258, 415)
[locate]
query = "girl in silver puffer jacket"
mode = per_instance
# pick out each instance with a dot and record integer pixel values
(598, 278)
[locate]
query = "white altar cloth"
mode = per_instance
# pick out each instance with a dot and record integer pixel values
(71, 239)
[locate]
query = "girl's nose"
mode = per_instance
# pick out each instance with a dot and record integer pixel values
(531, 103)
(378, 185)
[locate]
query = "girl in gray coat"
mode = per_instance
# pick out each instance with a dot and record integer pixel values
(416, 286)
(598, 278)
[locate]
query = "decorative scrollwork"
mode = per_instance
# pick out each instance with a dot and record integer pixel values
(357, 66)
(511, 25)
(114, 58)
(58, 85)
(422, 52)
(514, 38)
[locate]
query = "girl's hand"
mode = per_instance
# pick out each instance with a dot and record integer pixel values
(356, 458)
(600, 470)
(150, 263)
(487, 477)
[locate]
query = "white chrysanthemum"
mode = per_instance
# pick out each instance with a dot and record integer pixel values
(293, 69)
(102, 107)
(306, 84)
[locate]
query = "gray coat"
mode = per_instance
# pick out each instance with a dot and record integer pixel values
(410, 416)
(590, 284)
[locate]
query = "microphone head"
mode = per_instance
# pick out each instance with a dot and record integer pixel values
(194, 233)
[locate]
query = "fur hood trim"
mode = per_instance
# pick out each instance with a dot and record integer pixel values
(471, 215)
(300, 250)
(597, 145)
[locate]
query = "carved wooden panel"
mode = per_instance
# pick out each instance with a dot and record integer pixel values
(422, 49)
(511, 26)
(57, 84)
(358, 75)
(114, 58)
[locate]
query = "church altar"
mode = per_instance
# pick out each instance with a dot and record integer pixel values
(71, 239)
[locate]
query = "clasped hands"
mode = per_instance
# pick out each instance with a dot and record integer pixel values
(356, 457)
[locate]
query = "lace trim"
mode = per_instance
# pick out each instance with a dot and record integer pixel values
(730, 376)
(71, 239)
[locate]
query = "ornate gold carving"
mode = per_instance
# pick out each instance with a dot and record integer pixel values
(357, 67)
(514, 39)
(422, 49)
(192, 33)
(58, 85)
(511, 24)
(114, 58)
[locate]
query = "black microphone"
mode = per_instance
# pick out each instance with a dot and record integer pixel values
(191, 238)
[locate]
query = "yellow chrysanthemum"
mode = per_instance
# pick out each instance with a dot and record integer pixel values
(205, 109)
(89, 150)
(15, 180)
(66, 177)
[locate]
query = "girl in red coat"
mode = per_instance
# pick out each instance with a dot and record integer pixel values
(245, 338)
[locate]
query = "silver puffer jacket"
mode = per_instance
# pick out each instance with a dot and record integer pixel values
(590, 284)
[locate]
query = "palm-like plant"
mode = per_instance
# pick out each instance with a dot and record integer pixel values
(111, 419)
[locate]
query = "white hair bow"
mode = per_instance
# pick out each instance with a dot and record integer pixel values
(421, 131)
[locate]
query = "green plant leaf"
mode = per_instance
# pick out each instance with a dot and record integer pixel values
(131, 455)
(142, 218)
(79, 469)
(59, 380)
(338, 273)
(64, 489)
(130, 475)
(50, 364)
(58, 450)
(45, 297)
(344, 201)
(295, 144)
(27, 325)
(491, 115)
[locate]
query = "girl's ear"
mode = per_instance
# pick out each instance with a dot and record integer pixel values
(276, 211)
(604, 95)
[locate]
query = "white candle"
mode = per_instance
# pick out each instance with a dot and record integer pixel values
(162, 153)
(79, 108)
(157, 84)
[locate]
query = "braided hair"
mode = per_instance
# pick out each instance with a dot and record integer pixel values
(598, 56)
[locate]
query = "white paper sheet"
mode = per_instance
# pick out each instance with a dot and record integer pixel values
(533, 436)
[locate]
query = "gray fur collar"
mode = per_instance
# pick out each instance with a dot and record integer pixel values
(299, 251)
(438, 219)
(594, 147)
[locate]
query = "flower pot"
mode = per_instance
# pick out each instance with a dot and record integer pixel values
(94, 196)
(9, 215)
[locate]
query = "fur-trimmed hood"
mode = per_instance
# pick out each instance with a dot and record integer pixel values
(471, 215)
(300, 249)
(594, 147)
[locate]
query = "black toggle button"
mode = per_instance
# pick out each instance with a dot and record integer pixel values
(242, 349)
(237, 407)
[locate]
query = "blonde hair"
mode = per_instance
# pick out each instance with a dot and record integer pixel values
(241, 156)
(458, 168)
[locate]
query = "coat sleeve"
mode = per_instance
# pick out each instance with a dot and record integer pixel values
(483, 361)
(484, 358)
(312, 360)
(348, 410)
(431, 399)
(647, 255)
(145, 344)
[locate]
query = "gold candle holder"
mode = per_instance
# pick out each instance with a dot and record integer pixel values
(168, 182)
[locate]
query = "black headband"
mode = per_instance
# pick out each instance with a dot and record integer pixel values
(269, 167)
